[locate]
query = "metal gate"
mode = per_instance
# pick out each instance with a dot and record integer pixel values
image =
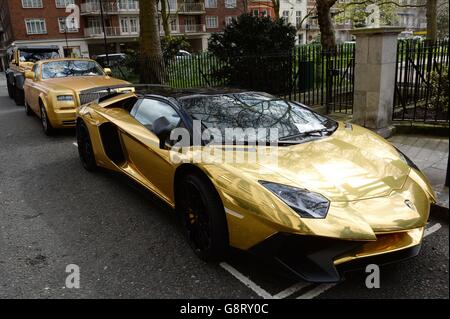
(421, 82)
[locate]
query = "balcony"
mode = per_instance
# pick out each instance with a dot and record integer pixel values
(191, 8)
(97, 32)
(186, 29)
(93, 8)
(191, 28)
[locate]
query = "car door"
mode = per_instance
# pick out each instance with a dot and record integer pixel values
(147, 158)
(32, 91)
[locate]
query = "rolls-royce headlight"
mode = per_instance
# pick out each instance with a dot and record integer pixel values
(305, 203)
(64, 98)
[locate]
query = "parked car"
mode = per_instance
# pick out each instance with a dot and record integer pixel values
(339, 193)
(53, 87)
(114, 59)
(183, 55)
(21, 58)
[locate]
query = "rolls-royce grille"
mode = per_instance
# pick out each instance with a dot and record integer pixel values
(92, 96)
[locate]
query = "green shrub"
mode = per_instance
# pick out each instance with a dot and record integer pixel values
(255, 53)
(439, 90)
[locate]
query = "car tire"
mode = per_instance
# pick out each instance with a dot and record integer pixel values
(46, 125)
(19, 97)
(85, 150)
(28, 109)
(10, 90)
(203, 217)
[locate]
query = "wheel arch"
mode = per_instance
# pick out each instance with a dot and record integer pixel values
(188, 168)
(43, 102)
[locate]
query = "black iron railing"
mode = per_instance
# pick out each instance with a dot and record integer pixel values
(421, 82)
(307, 74)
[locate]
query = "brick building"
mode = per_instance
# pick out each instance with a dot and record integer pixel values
(43, 22)
(37, 22)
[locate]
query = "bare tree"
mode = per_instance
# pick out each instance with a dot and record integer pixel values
(151, 61)
(431, 20)
(327, 37)
(165, 16)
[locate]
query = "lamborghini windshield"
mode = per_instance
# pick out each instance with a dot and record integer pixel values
(257, 110)
(66, 68)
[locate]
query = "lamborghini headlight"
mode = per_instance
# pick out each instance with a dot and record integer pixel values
(305, 203)
(64, 98)
(407, 160)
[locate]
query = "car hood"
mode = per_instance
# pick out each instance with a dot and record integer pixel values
(346, 166)
(77, 84)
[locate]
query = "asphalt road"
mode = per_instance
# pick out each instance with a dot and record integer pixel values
(128, 245)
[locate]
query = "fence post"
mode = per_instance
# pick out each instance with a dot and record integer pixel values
(375, 64)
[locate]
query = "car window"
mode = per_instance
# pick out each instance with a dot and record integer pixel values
(149, 110)
(254, 110)
(69, 68)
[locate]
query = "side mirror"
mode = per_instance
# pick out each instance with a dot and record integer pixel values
(107, 71)
(162, 129)
(29, 75)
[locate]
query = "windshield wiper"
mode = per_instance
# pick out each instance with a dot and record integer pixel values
(306, 133)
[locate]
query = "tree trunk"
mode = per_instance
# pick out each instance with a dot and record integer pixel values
(327, 37)
(276, 9)
(432, 20)
(151, 61)
(165, 17)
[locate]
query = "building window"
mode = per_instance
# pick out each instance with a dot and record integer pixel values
(229, 20)
(62, 26)
(32, 3)
(298, 18)
(64, 3)
(230, 4)
(129, 25)
(128, 5)
(173, 24)
(35, 26)
(172, 5)
(210, 3)
(256, 12)
(286, 15)
(212, 22)
(264, 13)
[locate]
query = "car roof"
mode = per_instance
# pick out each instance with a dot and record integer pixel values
(37, 47)
(64, 59)
(111, 54)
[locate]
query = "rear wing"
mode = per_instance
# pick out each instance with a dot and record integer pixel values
(100, 94)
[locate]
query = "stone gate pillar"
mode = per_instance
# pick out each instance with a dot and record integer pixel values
(375, 63)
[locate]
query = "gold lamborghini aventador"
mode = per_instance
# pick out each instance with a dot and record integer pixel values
(333, 195)
(52, 89)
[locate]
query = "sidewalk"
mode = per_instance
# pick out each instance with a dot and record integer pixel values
(430, 154)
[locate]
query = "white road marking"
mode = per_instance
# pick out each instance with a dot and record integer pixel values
(75, 144)
(313, 293)
(246, 281)
(432, 229)
(291, 290)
